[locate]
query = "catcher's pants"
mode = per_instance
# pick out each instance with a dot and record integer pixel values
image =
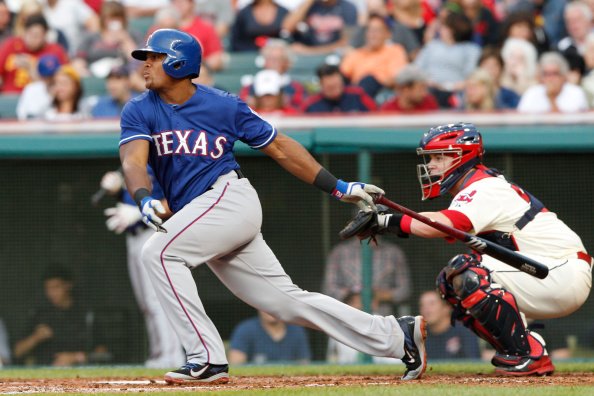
(165, 349)
(562, 292)
(222, 228)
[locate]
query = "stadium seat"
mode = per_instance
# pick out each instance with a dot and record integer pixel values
(140, 25)
(93, 86)
(8, 105)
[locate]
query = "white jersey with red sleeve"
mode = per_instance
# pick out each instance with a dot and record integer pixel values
(491, 203)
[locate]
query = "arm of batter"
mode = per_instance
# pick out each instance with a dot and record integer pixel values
(294, 158)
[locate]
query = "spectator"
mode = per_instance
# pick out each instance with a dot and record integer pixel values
(67, 93)
(480, 92)
(73, 18)
(336, 96)
(578, 19)
(376, 64)
(19, 55)
(450, 59)
(276, 55)
(445, 341)
(521, 25)
(554, 94)
(492, 62)
(485, 26)
(5, 355)
(5, 22)
(143, 8)
(391, 277)
(400, 33)
(265, 339)
(547, 14)
(412, 14)
(339, 353)
(119, 91)
(203, 31)
(269, 95)
(219, 13)
(588, 79)
(255, 24)
(36, 98)
(519, 65)
(33, 7)
(99, 51)
(58, 330)
(165, 349)
(321, 26)
(411, 93)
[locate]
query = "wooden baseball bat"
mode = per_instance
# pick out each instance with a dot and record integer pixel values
(509, 257)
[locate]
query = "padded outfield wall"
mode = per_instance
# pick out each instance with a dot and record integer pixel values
(50, 172)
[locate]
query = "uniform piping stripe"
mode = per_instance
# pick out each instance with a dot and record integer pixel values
(169, 279)
(273, 134)
(139, 136)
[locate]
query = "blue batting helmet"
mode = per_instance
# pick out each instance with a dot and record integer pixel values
(183, 51)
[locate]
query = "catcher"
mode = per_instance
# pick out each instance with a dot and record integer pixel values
(489, 297)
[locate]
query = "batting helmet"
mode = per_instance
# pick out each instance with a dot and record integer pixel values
(461, 141)
(183, 51)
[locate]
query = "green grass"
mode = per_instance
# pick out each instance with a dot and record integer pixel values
(401, 389)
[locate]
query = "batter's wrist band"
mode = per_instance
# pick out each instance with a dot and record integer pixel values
(139, 195)
(325, 181)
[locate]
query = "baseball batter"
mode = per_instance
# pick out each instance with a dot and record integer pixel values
(186, 132)
(490, 297)
(164, 350)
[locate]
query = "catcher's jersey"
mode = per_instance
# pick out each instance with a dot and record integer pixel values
(192, 143)
(492, 204)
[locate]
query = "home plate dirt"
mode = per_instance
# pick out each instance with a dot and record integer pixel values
(136, 385)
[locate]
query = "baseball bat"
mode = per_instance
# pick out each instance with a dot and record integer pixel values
(481, 245)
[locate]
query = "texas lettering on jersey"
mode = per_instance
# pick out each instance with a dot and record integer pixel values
(188, 142)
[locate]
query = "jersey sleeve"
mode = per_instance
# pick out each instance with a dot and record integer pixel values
(480, 206)
(132, 124)
(252, 129)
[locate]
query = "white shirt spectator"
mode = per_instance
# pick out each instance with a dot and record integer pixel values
(34, 101)
(571, 99)
(70, 17)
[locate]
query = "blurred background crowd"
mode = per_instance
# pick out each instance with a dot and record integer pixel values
(305, 56)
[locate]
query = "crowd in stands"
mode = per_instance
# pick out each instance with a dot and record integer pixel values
(531, 56)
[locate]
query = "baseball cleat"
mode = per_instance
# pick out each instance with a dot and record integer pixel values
(524, 366)
(193, 372)
(415, 355)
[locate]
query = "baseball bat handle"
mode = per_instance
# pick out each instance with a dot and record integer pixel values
(481, 245)
(98, 196)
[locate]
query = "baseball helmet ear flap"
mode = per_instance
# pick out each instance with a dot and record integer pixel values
(184, 54)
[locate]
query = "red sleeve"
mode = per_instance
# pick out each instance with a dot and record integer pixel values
(458, 219)
(368, 101)
(212, 43)
(405, 223)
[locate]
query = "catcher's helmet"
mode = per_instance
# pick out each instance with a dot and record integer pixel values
(183, 51)
(461, 141)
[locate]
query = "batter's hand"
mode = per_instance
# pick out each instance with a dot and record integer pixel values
(357, 192)
(150, 207)
(121, 217)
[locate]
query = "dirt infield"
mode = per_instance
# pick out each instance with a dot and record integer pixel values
(136, 385)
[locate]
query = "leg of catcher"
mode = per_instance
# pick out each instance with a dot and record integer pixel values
(492, 314)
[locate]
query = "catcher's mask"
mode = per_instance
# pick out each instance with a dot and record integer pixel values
(462, 142)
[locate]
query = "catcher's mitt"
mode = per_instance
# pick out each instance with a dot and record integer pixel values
(364, 225)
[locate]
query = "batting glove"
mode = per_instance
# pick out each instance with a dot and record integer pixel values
(121, 217)
(357, 192)
(150, 207)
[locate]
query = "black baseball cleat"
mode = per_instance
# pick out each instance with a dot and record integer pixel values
(415, 355)
(192, 372)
